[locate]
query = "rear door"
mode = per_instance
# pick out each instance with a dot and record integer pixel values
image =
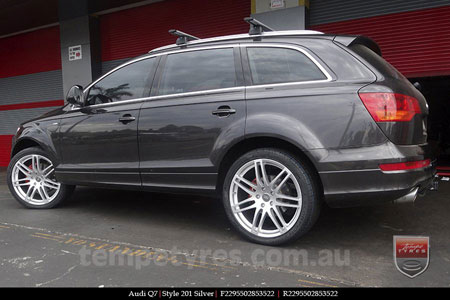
(197, 109)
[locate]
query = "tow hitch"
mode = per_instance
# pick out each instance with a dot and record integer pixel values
(432, 186)
(434, 183)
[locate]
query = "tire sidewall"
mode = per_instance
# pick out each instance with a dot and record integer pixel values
(63, 191)
(310, 201)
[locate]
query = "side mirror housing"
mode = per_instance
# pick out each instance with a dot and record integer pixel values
(75, 96)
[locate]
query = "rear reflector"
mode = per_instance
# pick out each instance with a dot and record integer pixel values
(390, 107)
(406, 165)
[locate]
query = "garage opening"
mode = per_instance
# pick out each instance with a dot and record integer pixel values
(437, 92)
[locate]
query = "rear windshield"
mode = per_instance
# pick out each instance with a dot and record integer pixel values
(382, 66)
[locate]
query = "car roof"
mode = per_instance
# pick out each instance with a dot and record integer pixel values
(240, 37)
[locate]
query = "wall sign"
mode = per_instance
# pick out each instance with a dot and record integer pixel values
(276, 3)
(75, 53)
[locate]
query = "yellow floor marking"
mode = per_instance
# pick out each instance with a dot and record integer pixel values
(205, 263)
(316, 283)
(114, 248)
(49, 235)
(46, 238)
(76, 242)
(198, 266)
(125, 250)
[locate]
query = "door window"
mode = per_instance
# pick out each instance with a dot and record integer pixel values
(277, 65)
(198, 71)
(129, 82)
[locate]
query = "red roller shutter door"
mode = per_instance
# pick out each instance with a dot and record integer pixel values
(417, 43)
(135, 31)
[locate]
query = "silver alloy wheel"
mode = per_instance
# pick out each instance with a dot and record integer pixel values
(34, 181)
(265, 198)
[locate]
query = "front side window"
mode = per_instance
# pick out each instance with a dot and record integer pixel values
(129, 82)
(198, 71)
(278, 65)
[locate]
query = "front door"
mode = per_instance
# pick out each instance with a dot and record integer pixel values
(98, 142)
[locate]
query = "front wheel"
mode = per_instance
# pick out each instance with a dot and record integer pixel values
(31, 180)
(270, 197)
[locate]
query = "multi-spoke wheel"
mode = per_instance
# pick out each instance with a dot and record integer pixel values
(31, 179)
(270, 197)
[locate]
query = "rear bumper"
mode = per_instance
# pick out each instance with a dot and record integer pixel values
(352, 176)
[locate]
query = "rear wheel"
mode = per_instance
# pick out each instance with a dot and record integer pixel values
(32, 181)
(270, 197)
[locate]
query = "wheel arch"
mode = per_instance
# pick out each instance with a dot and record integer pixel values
(28, 142)
(24, 144)
(249, 144)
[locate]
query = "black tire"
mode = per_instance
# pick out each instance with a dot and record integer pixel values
(311, 196)
(64, 191)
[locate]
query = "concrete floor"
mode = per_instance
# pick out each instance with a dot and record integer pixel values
(167, 240)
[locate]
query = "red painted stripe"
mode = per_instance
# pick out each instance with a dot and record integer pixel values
(31, 52)
(443, 174)
(32, 105)
(445, 168)
(5, 149)
(417, 43)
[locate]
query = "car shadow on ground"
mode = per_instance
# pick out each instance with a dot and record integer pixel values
(334, 228)
(192, 222)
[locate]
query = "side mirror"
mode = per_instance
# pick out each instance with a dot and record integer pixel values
(75, 95)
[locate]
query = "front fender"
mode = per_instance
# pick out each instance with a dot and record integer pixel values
(42, 134)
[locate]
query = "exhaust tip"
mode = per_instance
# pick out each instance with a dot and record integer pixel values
(408, 198)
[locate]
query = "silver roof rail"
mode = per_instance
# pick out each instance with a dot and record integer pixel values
(242, 36)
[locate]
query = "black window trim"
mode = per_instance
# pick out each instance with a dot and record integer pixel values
(157, 75)
(244, 67)
(150, 79)
(247, 71)
(240, 84)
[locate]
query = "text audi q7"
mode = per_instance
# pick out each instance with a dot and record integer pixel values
(274, 123)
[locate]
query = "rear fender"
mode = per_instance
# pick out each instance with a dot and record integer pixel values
(285, 128)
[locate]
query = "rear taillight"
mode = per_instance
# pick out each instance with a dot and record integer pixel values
(405, 165)
(390, 107)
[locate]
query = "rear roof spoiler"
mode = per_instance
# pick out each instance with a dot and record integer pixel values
(349, 40)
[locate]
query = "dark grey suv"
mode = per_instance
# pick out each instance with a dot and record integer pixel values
(273, 122)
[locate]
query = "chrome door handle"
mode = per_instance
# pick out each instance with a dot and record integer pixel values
(127, 118)
(224, 111)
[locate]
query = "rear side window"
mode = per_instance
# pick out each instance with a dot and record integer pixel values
(129, 82)
(382, 66)
(198, 71)
(277, 65)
